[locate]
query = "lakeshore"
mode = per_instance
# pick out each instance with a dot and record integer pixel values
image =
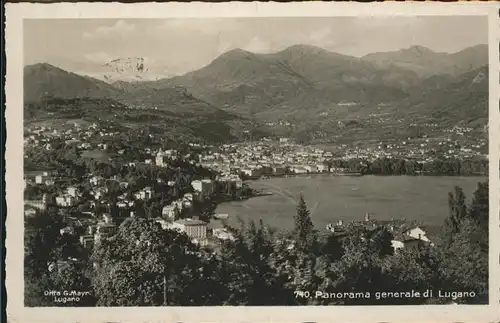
(348, 198)
(357, 174)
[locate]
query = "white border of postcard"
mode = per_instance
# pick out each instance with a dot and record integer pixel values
(16, 312)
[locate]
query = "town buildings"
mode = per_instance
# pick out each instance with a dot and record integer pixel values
(40, 204)
(410, 239)
(105, 228)
(230, 163)
(205, 187)
(223, 234)
(195, 229)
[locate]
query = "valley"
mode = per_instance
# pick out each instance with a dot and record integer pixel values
(303, 92)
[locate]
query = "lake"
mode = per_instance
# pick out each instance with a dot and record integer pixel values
(331, 198)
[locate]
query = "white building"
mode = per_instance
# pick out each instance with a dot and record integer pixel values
(144, 194)
(41, 178)
(234, 179)
(96, 180)
(67, 230)
(411, 239)
(195, 229)
(299, 170)
(65, 200)
(223, 234)
(322, 168)
(163, 156)
(107, 218)
(397, 245)
(72, 191)
(29, 212)
(159, 160)
(104, 230)
(418, 233)
(205, 186)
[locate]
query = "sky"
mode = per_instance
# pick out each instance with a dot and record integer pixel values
(177, 46)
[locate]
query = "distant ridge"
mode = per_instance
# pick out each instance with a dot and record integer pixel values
(137, 69)
(43, 80)
(426, 62)
(54, 95)
(250, 83)
(301, 86)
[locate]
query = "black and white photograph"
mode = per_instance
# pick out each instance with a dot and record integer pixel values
(256, 161)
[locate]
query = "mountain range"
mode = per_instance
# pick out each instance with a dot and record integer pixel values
(303, 85)
(298, 76)
(42, 80)
(426, 62)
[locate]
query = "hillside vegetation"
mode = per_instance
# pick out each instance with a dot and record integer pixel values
(302, 89)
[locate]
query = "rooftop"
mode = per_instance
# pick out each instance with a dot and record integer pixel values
(189, 222)
(106, 225)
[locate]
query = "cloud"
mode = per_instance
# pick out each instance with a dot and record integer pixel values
(257, 45)
(320, 34)
(99, 57)
(120, 27)
(204, 26)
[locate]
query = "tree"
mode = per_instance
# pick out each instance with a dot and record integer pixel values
(416, 269)
(73, 278)
(34, 290)
(45, 246)
(359, 270)
(249, 269)
(304, 234)
(380, 241)
(235, 272)
(135, 266)
(42, 241)
(465, 262)
(332, 248)
(458, 212)
(464, 253)
(479, 208)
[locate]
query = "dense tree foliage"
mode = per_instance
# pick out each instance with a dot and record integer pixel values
(465, 243)
(304, 234)
(396, 166)
(145, 265)
(48, 264)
